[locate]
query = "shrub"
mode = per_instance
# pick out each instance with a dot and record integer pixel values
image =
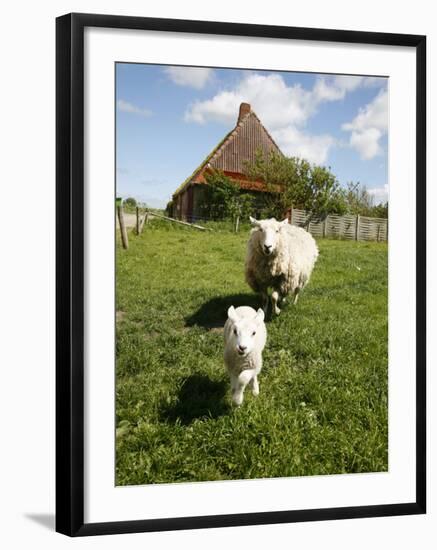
(130, 202)
(223, 198)
(296, 182)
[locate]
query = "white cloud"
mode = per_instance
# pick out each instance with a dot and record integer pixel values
(335, 88)
(283, 109)
(127, 107)
(379, 194)
(194, 77)
(269, 96)
(294, 142)
(367, 128)
(366, 142)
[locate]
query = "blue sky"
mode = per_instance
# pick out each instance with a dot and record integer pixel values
(169, 118)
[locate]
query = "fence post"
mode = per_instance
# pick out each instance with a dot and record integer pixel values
(378, 234)
(325, 223)
(291, 215)
(137, 225)
(237, 224)
(123, 231)
(357, 228)
(144, 220)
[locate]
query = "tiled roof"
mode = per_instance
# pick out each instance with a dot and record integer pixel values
(238, 146)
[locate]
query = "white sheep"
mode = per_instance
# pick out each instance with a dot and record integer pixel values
(245, 336)
(279, 256)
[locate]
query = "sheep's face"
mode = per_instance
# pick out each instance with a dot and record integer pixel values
(268, 234)
(243, 334)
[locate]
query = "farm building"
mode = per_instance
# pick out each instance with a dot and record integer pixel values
(229, 156)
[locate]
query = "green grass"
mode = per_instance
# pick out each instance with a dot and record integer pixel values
(322, 407)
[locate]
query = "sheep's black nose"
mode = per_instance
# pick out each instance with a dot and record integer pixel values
(267, 247)
(242, 348)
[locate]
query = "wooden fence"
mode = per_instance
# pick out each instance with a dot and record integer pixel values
(358, 228)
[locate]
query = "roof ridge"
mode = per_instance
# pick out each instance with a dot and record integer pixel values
(218, 149)
(231, 134)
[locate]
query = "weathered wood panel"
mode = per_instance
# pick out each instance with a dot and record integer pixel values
(350, 227)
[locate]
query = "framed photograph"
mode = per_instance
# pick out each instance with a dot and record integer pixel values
(240, 274)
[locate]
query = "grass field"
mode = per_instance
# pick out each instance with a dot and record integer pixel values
(322, 407)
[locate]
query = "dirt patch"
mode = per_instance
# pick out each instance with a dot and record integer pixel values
(120, 315)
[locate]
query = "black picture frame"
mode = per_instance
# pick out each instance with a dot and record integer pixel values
(70, 273)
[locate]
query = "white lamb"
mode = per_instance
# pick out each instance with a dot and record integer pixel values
(245, 337)
(279, 256)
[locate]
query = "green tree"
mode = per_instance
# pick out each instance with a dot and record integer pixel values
(298, 183)
(380, 210)
(358, 199)
(130, 202)
(326, 196)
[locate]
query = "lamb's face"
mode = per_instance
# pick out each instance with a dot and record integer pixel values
(243, 335)
(268, 234)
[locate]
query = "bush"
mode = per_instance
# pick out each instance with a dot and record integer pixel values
(380, 210)
(296, 182)
(223, 198)
(130, 202)
(360, 201)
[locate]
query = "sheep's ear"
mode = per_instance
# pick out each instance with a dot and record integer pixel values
(285, 222)
(232, 314)
(254, 222)
(260, 315)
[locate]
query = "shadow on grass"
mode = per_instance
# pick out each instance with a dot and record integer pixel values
(199, 397)
(213, 313)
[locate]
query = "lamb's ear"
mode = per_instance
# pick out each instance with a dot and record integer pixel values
(254, 222)
(285, 222)
(232, 314)
(260, 315)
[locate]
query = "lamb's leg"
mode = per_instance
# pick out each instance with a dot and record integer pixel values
(241, 383)
(236, 391)
(275, 300)
(234, 383)
(254, 386)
